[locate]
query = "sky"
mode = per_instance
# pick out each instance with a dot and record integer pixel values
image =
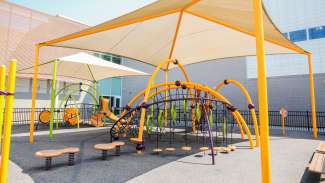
(90, 12)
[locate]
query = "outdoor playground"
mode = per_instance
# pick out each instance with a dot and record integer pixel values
(171, 131)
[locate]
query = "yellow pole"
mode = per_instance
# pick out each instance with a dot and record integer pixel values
(282, 118)
(166, 97)
(34, 90)
(312, 95)
(8, 122)
(262, 92)
(2, 98)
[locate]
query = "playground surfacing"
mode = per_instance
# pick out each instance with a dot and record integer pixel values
(290, 156)
(89, 167)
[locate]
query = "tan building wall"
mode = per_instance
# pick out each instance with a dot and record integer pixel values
(20, 29)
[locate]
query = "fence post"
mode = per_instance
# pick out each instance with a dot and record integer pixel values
(308, 125)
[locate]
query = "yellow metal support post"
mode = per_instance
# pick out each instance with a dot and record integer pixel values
(2, 98)
(34, 90)
(262, 92)
(166, 98)
(8, 122)
(53, 93)
(312, 95)
(282, 119)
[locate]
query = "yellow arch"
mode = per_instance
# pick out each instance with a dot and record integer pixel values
(238, 121)
(166, 62)
(174, 87)
(249, 101)
(189, 85)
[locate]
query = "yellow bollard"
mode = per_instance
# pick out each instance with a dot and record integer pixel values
(2, 98)
(8, 122)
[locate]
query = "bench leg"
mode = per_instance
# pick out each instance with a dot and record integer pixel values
(104, 154)
(48, 163)
(117, 150)
(71, 159)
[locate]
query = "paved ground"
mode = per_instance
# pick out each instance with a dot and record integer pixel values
(289, 159)
(89, 167)
(16, 175)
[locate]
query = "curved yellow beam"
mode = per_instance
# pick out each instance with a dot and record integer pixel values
(162, 90)
(176, 87)
(135, 98)
(250, 104)
(146, 96)
(195, 86)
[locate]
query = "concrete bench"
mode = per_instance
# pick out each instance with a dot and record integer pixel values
(51, 153)
(104, 148)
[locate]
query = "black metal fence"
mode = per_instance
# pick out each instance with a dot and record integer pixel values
(295, 120)
(22, 116)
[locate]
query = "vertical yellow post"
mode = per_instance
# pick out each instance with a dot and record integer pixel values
(53, 94)
(312, 95)
(8, 122)
(166, 98)
(282, 119)
(2, 98)
(262, 92)
(34, 90)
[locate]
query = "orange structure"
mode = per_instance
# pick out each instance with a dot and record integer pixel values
(212, 22)
(250, 104)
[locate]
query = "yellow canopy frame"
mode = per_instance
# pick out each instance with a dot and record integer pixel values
(266, 40)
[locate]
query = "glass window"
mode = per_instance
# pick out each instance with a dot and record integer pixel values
(299, 35)
(317, 32)
(118, 100)
(286, 35)
(106, 57)
(111, 100)
(117, 60)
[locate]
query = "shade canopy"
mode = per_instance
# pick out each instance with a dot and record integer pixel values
(188, 30)
(81, 67)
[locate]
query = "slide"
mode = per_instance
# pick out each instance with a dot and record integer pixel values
(104, 112)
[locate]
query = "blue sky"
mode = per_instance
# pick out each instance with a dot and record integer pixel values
(91, 12)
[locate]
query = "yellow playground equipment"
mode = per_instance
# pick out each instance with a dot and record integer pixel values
(44, 117)
(6, 108)
(71, 116)
(104, 112)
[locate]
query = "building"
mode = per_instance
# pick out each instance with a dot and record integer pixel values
(21, 29)
(303, 22)
(288, 84)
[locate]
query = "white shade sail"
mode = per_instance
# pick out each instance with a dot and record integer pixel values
(81, 67)
(188, 30)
